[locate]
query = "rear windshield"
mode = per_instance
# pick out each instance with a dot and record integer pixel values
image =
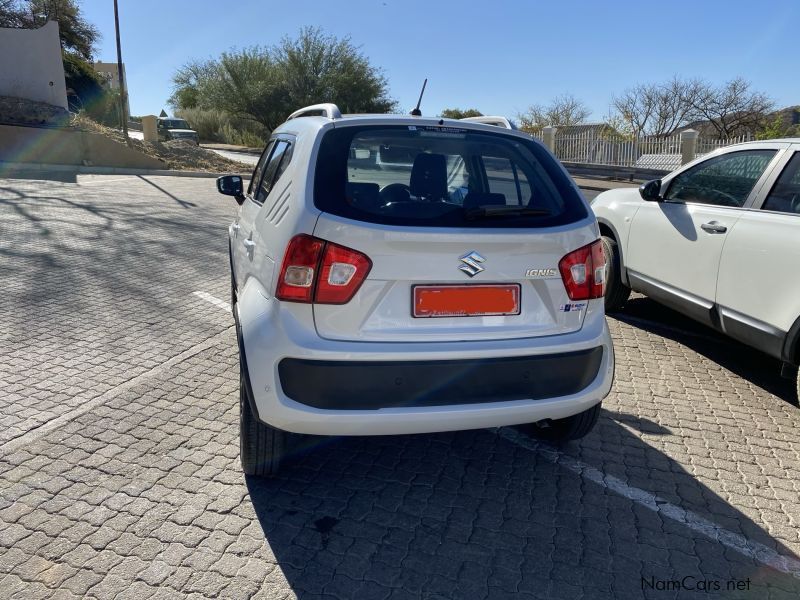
(441, 177)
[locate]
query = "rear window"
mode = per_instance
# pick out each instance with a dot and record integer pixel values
(441, 177)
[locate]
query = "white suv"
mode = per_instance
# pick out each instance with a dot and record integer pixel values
(396, 274)
(718, 240)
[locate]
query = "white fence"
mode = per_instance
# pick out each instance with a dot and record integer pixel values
(651, 152)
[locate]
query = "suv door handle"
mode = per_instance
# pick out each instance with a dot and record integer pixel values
(713, 227)
(249, 244)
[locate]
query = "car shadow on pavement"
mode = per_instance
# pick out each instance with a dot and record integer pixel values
(475, 514)
(746, 362)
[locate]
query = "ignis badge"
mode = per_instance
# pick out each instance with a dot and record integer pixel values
(540, 273)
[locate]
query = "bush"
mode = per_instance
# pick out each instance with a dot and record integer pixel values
(218, 126)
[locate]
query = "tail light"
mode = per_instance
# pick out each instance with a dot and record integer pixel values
(584, 272)
(315, 270)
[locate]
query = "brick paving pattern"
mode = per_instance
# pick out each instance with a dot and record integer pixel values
(119, 474)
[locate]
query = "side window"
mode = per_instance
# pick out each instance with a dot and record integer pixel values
(506, 178)
(726, 180)
(259, 170)
(785, 195)
(271, 170)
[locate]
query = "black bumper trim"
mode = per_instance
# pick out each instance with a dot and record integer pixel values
(371, 385)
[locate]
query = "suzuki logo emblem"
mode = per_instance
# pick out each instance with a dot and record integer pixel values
(471, 264)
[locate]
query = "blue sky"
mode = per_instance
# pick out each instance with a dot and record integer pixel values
(498, 56)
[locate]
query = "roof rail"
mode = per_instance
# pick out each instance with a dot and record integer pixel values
(496, 121)
(316, 110)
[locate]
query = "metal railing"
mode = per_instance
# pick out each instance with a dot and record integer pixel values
(650, 152)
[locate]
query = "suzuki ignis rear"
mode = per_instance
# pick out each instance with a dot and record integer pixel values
(396, 275)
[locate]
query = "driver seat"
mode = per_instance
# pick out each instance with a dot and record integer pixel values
(429, 177)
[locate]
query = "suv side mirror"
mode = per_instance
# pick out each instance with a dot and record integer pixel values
(651, 190)
(231, 185)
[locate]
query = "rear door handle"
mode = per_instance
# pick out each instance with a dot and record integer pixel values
(249, 244)
(713, 227)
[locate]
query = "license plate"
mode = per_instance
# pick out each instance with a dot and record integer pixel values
(466, 300)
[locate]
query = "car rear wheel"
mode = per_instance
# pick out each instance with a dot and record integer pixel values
(564, 430)
(262, 448)
(617, 292)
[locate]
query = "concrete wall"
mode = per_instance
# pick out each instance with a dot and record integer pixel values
(69, 147)
(30, 65)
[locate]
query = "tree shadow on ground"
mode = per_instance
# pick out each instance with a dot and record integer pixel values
(474, 515)
(748, 363)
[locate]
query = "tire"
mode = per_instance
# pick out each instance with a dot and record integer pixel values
(617, 292)
(798, 386)
(565, 430)
(262, 448)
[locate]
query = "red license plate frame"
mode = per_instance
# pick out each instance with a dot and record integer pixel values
(459, 300)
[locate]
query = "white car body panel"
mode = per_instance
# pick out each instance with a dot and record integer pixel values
(666, 244)
(403, 257)
(757, 276)
(273, 330)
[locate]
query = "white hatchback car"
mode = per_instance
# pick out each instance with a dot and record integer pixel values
(718, 240)
(397, 274)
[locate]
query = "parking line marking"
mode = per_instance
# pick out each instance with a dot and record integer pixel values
(753, 550)
(45, 428)
(214, 300)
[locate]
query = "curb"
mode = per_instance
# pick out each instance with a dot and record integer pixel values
(8, 168)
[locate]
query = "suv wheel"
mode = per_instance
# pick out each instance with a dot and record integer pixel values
(616, 292)
(261, 447)
(564, 430)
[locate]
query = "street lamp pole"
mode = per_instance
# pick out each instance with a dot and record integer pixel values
(121, 78)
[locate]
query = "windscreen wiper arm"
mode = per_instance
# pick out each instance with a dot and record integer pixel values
(499, 210)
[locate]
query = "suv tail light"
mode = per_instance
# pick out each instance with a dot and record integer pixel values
(315, 270)
(584, 272)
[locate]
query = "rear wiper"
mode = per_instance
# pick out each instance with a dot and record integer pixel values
(499, 210)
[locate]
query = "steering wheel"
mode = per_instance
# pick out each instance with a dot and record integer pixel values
(395, 192)
(725, 198)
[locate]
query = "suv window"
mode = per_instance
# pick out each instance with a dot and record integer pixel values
(429, 176)
(725, 180)
(255, 181)
(785, 195)
(278, 161)
(505, 178)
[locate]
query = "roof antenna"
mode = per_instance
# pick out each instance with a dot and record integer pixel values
(417, 112)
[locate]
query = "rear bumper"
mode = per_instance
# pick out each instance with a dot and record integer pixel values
(374, 385)
(306, 384)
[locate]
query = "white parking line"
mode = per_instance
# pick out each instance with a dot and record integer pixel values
(753, 550)
(213, 300)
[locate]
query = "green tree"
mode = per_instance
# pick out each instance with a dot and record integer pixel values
(12, 14)
(266, 84)
(778, 128)
(458, 113)
(77, 34)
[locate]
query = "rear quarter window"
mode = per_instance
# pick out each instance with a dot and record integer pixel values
(441, 177)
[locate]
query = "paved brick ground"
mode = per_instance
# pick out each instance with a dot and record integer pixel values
(119, 470)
